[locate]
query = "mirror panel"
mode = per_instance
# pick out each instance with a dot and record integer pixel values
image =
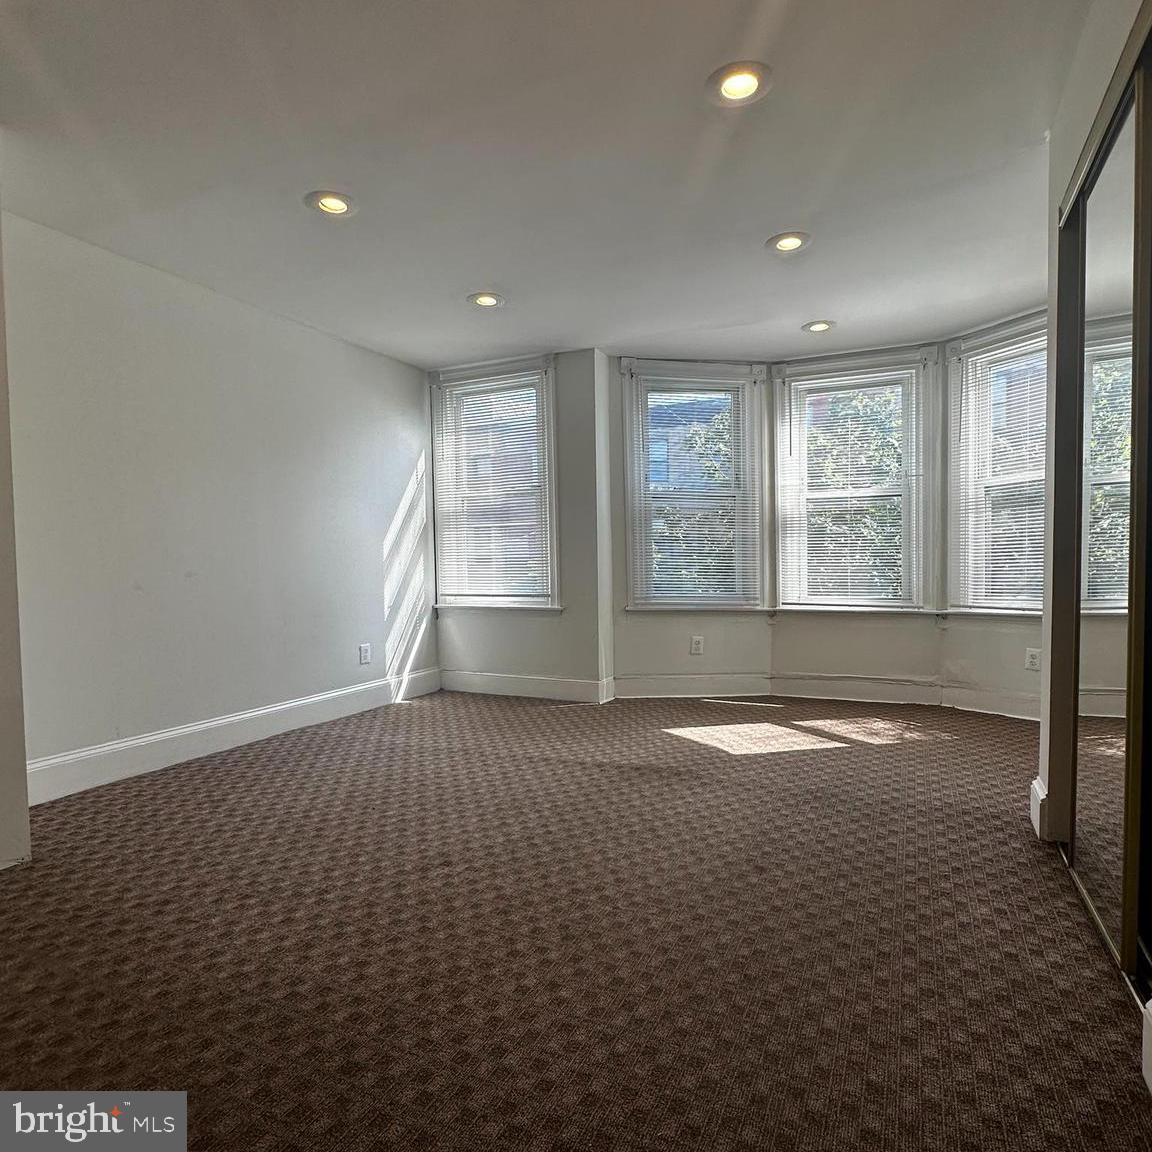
(1098, 834)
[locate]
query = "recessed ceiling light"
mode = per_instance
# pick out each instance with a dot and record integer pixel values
(486, 299)
(818, 325)
(331, 203)
(788, 241)
(742, 82)
(739, 85)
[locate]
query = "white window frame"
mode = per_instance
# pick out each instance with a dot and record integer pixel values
(492, 378)
(1009, 336)
(748, 381)
(916, 370)
(1103, 339)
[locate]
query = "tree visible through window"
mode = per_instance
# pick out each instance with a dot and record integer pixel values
(1107, 461)
(848, 465)
(855, 498)
(696, 500)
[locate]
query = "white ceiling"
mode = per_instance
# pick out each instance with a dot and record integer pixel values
(561, 152)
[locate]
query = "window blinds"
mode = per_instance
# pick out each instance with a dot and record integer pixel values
(849, 480)
(493, 485)
(998, 397)
(1107, 458)
(694, 483)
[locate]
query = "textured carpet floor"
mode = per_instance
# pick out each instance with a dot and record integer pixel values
(479, 923)
(1098, 845)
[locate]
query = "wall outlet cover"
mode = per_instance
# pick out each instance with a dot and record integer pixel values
(697, 646)
(1032, 659)
(365, 653)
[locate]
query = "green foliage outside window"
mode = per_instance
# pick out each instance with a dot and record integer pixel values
(855, 543)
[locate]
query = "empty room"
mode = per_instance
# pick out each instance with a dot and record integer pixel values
(576, 576)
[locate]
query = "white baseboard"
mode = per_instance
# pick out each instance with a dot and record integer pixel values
(51, 777)
(716, 684)
(998, 702)
(865, 689)
(1037, 804)
(543, 687)
(908, 690)
(1103, 702)
(825, 686)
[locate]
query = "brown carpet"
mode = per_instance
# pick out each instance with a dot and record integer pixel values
(479, 923)
(1098, 846)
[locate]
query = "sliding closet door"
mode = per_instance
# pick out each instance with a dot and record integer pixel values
(1137, 951)
(1098, 838)
(1100, 526)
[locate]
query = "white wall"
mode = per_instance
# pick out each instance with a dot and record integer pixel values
(881, 655)
(204, 494)
(565, 654)
(14, 838)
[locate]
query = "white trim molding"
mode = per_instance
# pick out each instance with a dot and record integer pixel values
(50, 777)
(540, 687)
(715, 684)
(908, 690)
(1038, 805)
(816, 686)
(994, 701)
(865, 689)
(1101, 701)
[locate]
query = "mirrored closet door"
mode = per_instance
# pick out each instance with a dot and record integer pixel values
(1099, 770)
(1098, 833)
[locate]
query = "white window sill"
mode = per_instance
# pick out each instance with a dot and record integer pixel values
(1032, 613)
(692, 609)
(858, 609)
(993, 613)
(499, 606)
(876, 609)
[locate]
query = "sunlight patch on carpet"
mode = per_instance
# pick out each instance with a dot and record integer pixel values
(870, 729)
(751, 739)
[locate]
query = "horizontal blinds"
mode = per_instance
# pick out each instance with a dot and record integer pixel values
(493, 488)
(998, 396)
(694, 465)
(1107, 480)
(849, 476)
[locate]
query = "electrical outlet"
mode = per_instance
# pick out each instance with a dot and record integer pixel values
(697, 648)
(1032, 659)
(365, 653)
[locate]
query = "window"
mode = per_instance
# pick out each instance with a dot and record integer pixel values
(1107, 457)
(998, 387)
(849, 458)
(493, 476)
(694, 484)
